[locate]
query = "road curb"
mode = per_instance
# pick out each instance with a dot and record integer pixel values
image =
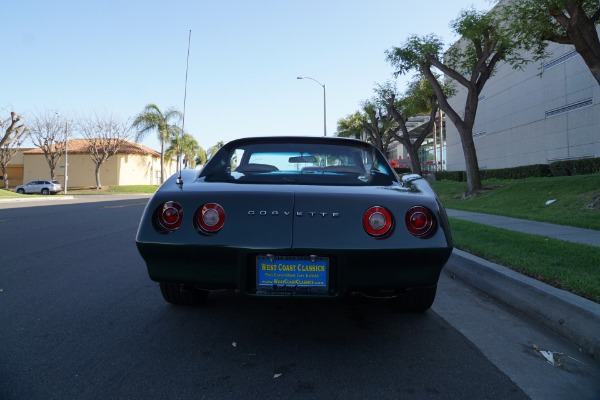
(571, 316)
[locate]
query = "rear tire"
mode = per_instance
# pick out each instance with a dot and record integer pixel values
(45, 192)
(183, 295)
(415, 300)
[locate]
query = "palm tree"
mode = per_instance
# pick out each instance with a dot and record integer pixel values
(200, 158)
(212, 150)
(352, 126)
(184, 145)
(152, 118)
(371, 124)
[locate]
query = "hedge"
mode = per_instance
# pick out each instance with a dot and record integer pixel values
(582, 166)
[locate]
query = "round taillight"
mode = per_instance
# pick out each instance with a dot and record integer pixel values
(169, 216)
(420, 222)
(377, 221)
(210, 218)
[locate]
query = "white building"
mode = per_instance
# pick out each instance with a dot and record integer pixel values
(546, 112)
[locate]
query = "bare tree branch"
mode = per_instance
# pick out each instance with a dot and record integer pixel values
(11, 141)
(49, 132)
(105, 136)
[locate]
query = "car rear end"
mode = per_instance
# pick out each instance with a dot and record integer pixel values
(54, 187)
(316, 218)
(315, 240)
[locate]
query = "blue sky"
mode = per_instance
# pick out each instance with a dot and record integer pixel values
(85, 57)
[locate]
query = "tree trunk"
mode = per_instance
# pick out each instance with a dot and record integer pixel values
(415, 163)
(98, 184)
(465, 131)
(587, 45)
(5, 176)
(162, 161)
(581, 31)
(471, 164)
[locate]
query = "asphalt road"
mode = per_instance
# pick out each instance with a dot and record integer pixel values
(79, 319)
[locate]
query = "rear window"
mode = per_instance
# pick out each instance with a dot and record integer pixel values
(300, 163)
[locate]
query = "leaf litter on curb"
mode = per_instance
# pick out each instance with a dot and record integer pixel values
(555, 358)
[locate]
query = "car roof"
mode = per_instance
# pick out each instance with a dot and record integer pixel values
(296, 139)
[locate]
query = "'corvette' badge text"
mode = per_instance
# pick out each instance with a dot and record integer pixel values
(297, 213)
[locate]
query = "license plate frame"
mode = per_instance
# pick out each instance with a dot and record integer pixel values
(292, 275)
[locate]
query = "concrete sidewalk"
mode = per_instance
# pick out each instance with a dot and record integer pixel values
(561, 232)
(573, 317)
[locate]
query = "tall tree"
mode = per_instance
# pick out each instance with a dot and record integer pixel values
(534, 23)
(49, 131)
(13, 136)
(185, 148)
(371, 124)
(419, 99)
(470, 63)
(200, 157)
(213, 149)
(351, 126)
(378, 124)
(153, 119)
(105, 136)
(12, 129)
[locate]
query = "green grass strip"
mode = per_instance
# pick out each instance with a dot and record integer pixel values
(569, 266)
(5, 194)
(133, 189)
(576, 199)
(114, 189)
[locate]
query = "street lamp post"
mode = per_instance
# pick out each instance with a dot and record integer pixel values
(66, 151)
(324, 103)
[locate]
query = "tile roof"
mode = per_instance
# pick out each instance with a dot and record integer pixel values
(80, 146)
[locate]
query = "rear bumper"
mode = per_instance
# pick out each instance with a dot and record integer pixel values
(349, 270)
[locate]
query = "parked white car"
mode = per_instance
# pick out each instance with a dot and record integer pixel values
(41, 187)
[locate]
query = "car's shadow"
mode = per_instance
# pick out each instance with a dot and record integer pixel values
(350, 348)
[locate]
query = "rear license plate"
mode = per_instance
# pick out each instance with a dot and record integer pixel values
(292, 275)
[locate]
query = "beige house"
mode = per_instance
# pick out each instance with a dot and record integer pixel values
(134, 164)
